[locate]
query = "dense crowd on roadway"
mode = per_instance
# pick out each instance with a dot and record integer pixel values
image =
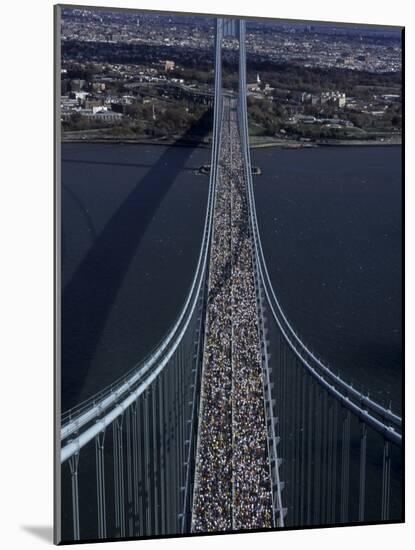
(232, 486)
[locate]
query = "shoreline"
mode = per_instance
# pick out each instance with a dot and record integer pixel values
(254, 145)
(127, 141)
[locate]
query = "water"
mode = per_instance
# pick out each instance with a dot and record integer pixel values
(132, 219)
(331, 225)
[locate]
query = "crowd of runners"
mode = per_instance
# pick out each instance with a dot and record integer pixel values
(232, 485)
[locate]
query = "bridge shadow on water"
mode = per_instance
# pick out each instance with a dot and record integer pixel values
(90, 294)
(128, 164)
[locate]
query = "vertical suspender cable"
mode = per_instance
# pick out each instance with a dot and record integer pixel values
(317, 457)
(130, 513)
(329, 468)
(344, 510)
(362, 474)
(303, 449)
(134, 429)
(119, 430)
(116, 477)
(324, 462)
(310, 449)
(99, 460)
(73, 465)
(386, 480)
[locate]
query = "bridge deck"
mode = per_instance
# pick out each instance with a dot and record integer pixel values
(232, 485)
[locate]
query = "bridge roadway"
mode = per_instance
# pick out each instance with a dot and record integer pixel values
(232, 488)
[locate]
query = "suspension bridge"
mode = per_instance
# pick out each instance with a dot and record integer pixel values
(231, 422)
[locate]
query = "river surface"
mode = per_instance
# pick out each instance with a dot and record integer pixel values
(132, 220)
(331, 225)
